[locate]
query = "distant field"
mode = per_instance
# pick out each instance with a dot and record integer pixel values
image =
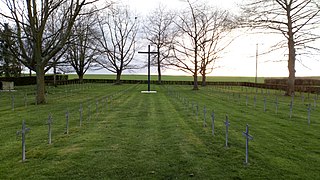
(169, 78)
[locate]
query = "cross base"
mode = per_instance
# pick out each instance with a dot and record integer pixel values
(148, 92)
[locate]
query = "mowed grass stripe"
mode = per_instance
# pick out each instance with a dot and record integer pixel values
(154, 136)
(145, 137)
(279, 144)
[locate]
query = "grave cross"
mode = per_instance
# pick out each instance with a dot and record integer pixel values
(49, 128)
(81, 111)
(12, 102)
(264, 104)
(309, 113)
(248, 137)
(23, 132)
(67, 123)
(149, 53)
(212, 118)
(277, 103)
(227, 123)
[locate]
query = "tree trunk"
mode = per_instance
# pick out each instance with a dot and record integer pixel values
(54, 76)
(292, 71)
(80, 78)
(159, 65)
(292, 57)
(118, 78)
(204, 79)
(195, 81)
(159, 72)
(40, 98)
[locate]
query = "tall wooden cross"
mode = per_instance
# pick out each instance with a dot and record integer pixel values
(149, 57)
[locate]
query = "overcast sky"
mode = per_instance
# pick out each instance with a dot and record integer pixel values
(240, 57)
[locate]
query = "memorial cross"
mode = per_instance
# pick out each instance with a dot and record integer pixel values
(67, 123)
(197, 110)
(264, 104)
(49, 128)
(291, 107)
(97, 105)
(309, 113)
(227, 124)
(81, 112)
(12, 102)
(106, 103)
(277, 104)
(248, 137)
(212, 119)
(149, 53)
(23, 132)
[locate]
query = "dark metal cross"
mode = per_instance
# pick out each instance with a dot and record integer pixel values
(149, 53)
(248, 137)
(23, 132)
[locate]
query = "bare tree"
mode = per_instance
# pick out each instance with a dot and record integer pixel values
(118, 30)
(37, 45)
(82, 51)
(193, 27)
(159, 31)
(216, 38)
(296, 20)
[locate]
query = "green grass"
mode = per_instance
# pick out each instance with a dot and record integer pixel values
(158, 136)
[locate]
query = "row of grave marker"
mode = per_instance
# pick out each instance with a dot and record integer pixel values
(226, 123)
(24, 129)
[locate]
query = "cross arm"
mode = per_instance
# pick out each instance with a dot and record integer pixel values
(247, 135)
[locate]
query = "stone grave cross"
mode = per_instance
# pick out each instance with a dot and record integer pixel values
(23, 132)
(149, 54)
(248, 137)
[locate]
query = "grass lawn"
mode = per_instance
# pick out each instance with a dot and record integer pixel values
(129, 135)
